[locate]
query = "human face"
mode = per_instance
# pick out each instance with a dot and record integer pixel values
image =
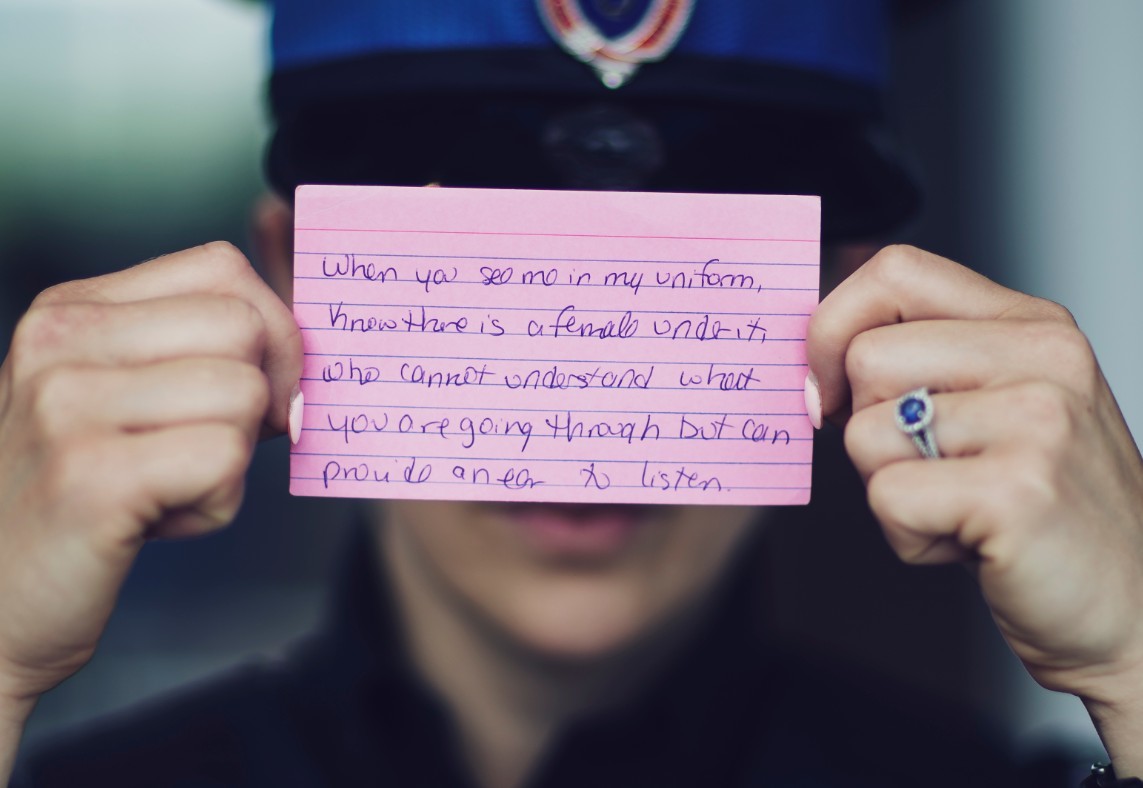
(568, 582)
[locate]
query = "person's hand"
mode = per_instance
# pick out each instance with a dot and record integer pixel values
(129, 407)
(1040, 487)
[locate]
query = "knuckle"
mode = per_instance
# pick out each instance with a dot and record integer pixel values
(73, 473)
(1021, 488)
(210, 376)
(225, 507)
(37, 329)
(251, 389)
(22, 352)
(218, 457)
(242, 312)
(70, 464)
(244, 388)
(57, 294)
(896, 266)
(880, 496)
(231, 454)
(53, 394)
(1071, 352)
(821, 326)
(1052, 311)
(883, 501)
(1046, 409)
(883, 494)
(860, 433)
(1064, 353)
(225, 260)
(861, 358)
(249, 327)
(48, 326)
(253, 325)
(258, 396)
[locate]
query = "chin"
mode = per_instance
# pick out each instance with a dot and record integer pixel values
(569, 582)
(577, 619)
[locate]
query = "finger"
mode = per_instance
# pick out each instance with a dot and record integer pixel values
(219, 269)
(958, 355)
(903, 284)
(137, 332)
(154, 396)
(189, 475)
(963, 425)
(194, 471)
(1037, 415)
(925, 507)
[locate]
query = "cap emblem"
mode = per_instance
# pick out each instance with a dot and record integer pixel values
(615, 37)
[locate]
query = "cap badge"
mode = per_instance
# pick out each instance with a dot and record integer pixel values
(615, 37)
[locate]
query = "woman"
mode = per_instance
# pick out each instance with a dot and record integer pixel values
(565, 645)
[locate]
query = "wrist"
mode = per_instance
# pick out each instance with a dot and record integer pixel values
(14, 713)
(1103, 775)
(1118, 717)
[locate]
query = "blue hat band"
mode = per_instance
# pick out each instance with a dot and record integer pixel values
(845, 39)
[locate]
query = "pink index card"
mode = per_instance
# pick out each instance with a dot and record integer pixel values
(553, 345)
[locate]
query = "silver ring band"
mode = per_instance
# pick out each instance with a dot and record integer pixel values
(915, 417)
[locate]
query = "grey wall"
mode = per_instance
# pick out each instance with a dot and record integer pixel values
(1060, 103)
(1025, 118)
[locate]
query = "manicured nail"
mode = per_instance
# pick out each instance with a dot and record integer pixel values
(294, 417)
(813, 401)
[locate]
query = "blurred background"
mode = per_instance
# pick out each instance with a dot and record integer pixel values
(130, 128)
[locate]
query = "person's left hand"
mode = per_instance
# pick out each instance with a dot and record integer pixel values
(1040, 487)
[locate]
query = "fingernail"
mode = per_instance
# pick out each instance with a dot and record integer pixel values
(294, 417)
(813, 401)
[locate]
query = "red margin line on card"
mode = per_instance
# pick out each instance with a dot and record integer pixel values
(555, 235)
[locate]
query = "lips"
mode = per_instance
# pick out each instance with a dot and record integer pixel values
(577, 530)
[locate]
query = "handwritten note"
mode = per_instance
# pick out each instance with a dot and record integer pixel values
(554, 346)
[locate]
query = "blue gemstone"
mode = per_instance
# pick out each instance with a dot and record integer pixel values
(912, 410)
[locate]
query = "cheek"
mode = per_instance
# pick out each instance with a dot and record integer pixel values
(571, 610)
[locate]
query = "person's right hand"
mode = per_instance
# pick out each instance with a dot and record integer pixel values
(129, 407)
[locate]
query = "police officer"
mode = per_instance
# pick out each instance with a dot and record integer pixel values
(461, 650)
